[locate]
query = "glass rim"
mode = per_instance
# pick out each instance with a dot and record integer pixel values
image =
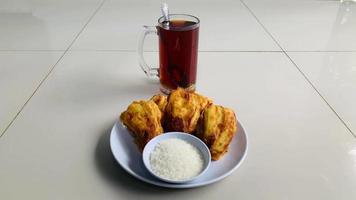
(182, 16)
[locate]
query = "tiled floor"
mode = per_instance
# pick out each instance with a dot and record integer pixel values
(43, 25)
(68, 68)
(20, 75)
(334, 76)
(308, 25)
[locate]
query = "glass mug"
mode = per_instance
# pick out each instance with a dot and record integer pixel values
(178, 52)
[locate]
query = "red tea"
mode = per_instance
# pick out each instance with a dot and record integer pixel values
(178, 47)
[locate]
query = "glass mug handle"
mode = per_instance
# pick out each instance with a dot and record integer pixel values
(151, 72)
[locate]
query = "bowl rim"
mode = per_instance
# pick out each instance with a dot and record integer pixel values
(146, 154)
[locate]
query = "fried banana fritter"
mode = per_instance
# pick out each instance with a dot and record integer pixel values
(161, 101)
(183, 110)
(216, 127)
(143, 119)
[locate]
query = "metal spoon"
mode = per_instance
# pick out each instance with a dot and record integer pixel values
(165, 13)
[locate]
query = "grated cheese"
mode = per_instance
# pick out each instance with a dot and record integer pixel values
(176, 159)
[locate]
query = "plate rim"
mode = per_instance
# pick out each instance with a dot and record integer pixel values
(179, 186)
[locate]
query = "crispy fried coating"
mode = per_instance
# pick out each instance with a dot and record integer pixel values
(216, 127)
(183, 110)
(143, 119)
(161, 101)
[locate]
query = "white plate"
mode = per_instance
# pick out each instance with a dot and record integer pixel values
(128, 156)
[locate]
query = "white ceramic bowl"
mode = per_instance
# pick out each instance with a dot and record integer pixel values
(200, 145)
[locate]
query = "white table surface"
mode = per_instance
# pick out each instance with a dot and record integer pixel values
(68, 68)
